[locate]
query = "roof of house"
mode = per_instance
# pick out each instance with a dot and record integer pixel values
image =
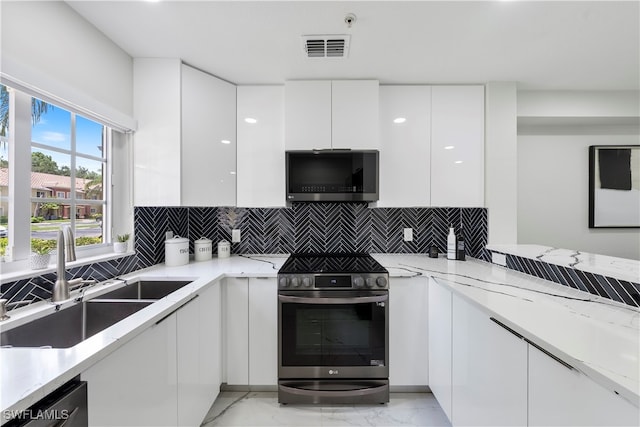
(46, 181)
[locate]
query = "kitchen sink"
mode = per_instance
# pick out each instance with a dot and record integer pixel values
(145, 290)
(72, 325)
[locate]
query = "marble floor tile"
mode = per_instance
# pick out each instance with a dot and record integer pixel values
(263, 409)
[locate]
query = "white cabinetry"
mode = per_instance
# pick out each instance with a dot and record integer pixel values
(199, 356)
(208, 155)
(263, 331)
(136, 384)
(457, 146)
(183, 116)
(261, 168)
(440, 317)
(408, 340)
(236, 327)
(331, 114)
(559, 396)
(489, 370)
(405, 158)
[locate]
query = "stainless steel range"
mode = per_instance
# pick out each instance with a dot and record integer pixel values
(333, 329)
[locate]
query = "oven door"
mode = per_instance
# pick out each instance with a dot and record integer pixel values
(333, 334)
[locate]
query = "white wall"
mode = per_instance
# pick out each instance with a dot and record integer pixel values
(553, 168)
(48, 47)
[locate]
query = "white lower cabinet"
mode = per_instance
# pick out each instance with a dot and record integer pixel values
(489, 370)
(169, 375)
(559, 396)
(199, 356)
(408, 335)
(440, 312)
(236, 327)
(136, 384)
(251, 324)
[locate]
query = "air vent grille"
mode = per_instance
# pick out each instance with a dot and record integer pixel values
(326, 46)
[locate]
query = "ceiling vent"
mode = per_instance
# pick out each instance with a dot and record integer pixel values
(326, 46)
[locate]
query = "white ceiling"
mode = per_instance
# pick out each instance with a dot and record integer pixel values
(549, 45)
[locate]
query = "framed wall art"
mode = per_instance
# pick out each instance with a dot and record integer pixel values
(614, 186)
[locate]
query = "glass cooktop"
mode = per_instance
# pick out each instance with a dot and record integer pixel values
(304, 263)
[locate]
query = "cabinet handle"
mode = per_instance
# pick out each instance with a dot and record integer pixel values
(169, 315)
(554, 357)
(499, 323)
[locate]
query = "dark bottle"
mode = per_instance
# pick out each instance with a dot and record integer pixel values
(460, 253)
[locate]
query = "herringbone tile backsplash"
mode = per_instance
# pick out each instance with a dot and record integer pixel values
(311, 227)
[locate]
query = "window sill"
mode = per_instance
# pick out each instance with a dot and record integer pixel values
(21, 270)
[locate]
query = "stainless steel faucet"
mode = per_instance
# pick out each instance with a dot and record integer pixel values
(66, 245)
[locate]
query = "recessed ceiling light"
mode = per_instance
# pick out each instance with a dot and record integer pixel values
(250, 120)
(232, 172)
(457, 162)
(448, 147)
(399, 120)
(225, 141)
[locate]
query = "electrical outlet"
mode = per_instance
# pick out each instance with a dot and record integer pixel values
(168, 235)
(235, 235)
(500, 259)
(408, 234)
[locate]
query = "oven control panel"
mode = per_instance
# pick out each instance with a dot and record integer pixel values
(333, 281)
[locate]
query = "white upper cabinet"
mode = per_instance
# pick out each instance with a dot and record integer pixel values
(208, 161)
(354, 114)
(405, 133)
(260, 125)
(327, 114)
(457, 146)
(307, 114)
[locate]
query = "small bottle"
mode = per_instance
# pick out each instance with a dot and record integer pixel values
(460, 256)
(451, 244)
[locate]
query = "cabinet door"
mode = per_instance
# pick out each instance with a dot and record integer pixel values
(156, 148)
(208, 153)
(408, 332)
(440, 306)
(562, 396)
(405, 158)
(307, 114)
(261, 168)
(236, 326)
(263, 331)
(354, 114)
(136, 384)
(457, 146)
(199, 356)
(489, 370)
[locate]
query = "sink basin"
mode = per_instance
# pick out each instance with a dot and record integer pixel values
(145, 290)
(72, 325)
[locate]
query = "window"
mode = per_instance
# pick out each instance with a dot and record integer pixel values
(66, 181)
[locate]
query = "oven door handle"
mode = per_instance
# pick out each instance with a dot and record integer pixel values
(322, 300)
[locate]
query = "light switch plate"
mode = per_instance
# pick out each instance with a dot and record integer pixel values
(408, 234)
(500, 259)
(235, 235)
(168, 235)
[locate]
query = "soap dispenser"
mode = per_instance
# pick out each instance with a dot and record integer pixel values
(452, 248)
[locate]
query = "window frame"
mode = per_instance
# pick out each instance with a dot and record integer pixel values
(20, 144)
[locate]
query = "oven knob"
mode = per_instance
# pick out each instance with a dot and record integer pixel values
(381, 282)
(370, 282)
(283, 282)
(358, 282)
(306, 282)
(295, 282)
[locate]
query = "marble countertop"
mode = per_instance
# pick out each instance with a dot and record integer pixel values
(599, 336)
(617, 268)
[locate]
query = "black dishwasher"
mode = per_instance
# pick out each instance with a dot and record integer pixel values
(66, 406)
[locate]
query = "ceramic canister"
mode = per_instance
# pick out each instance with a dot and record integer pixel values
(224, 249)
(176, 251)
(203, 249)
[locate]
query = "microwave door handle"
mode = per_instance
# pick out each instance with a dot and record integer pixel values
(322, 300)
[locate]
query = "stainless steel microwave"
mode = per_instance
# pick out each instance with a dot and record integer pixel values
(332, 175)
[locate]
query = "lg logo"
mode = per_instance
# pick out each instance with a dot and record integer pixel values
(333, 372)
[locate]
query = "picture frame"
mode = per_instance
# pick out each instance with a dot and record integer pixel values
(614, 186)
